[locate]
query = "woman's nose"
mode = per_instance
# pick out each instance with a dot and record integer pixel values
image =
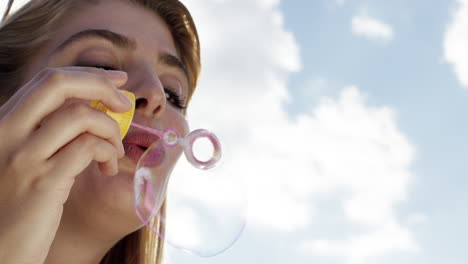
(150, 96)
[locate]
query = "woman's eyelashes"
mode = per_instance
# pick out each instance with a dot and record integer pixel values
(175, 99)
(103, 66)
(172, 97)
(107, 68)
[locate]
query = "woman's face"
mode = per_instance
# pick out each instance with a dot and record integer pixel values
(134, 40)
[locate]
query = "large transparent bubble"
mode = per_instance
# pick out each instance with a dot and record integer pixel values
(206, 205)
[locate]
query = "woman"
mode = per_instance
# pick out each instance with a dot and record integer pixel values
(66, 188)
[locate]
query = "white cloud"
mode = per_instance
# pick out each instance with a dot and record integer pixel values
(246, 84)
(387, 238)
(359, 152)
(342, 148)
(372, 28)
(456, 41)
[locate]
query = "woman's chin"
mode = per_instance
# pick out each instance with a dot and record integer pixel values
(103, 201)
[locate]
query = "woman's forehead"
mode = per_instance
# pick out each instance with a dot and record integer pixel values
(145, 30)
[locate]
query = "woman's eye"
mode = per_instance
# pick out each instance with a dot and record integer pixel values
(105, 67)
(175, 99)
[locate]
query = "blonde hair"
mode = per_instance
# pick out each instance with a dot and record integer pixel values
(23, 33)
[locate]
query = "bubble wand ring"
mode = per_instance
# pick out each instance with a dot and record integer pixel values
(171, 139)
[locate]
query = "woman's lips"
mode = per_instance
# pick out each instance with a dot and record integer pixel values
(137, 142)
(153, 159)
(133, 151)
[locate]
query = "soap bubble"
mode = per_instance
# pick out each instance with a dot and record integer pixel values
(206, 204)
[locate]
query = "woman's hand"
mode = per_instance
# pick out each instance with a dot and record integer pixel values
(48, 135)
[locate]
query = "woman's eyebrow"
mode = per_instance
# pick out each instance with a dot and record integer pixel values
(115, 38)
(123, 42)
(174, 62)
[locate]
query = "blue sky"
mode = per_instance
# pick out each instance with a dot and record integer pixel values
(346, 117)
(408, 73)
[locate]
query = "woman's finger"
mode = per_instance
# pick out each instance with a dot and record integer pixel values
(76, 156)
(57, 130)
(56, 86)
(118, 78)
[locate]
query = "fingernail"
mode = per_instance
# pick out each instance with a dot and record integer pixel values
(118, 74)
(125, 98)
(122, 151)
